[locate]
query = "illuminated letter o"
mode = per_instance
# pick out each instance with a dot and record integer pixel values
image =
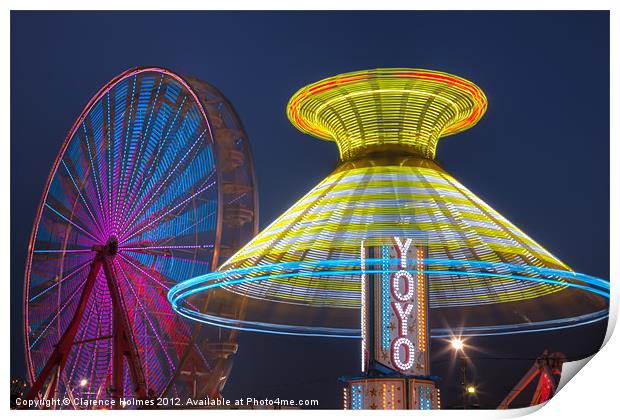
(409, 286)
(396, 353)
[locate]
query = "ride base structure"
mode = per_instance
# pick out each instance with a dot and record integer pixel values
(395, 340)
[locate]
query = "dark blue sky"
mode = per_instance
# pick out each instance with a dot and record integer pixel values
(540, 155)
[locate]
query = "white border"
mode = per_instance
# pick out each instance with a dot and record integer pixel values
(592, 394)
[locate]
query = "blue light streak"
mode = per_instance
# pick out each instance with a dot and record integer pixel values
(199, 284)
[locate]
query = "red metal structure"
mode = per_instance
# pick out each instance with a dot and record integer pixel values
(123, 341)
(548, 368)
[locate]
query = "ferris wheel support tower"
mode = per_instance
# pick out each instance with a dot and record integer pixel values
(124, 346)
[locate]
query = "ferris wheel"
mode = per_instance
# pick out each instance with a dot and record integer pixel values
(153, 185)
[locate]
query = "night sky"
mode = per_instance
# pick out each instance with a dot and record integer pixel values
(540, 155)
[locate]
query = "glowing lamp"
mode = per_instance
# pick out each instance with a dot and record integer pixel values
(457, 344)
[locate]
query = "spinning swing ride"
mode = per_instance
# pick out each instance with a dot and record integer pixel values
(392, 249)
(154, 184)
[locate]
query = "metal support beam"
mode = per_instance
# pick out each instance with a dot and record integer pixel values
(546, 367)
(124, 345)
(58, 358)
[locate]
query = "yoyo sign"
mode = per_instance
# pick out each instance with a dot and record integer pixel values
(395, 306)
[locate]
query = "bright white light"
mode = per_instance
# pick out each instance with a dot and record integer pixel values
(457, 344)
(84, 382)
(471, 389)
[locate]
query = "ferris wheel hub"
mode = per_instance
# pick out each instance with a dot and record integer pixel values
(110, 248)
(112, 245)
